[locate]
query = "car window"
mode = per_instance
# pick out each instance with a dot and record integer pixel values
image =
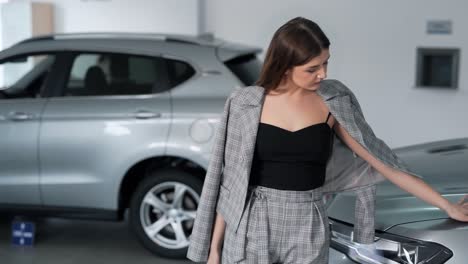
(115, 74)
(24, 76)
(179, 71)
(246, 68)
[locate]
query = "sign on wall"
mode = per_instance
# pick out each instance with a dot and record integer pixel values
(439, 27)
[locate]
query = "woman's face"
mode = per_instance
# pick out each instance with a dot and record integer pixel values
(309, 75)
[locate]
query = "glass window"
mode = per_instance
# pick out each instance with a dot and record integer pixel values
(437, 68)
(24, 77)
(246, 68)
(115, 74)
(179, 71)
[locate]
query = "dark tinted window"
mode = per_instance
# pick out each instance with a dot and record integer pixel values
(246, 68)
(179, 71)
(437, 68)
(25, 76)
(116, 74)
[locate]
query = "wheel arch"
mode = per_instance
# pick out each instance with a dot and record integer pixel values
(140, 170)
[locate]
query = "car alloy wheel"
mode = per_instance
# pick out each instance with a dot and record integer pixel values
(167, 213)
(163, 209)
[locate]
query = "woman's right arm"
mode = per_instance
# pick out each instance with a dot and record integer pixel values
(217, 239)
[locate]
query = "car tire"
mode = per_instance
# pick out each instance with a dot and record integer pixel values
(161, 223)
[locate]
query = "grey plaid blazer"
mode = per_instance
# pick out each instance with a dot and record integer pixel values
(225, 187)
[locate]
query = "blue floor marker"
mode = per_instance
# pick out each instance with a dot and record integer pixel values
(22, 233)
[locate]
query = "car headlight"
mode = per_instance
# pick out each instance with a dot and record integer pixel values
(387, 248)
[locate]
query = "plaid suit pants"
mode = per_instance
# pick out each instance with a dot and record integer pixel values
(280, 226)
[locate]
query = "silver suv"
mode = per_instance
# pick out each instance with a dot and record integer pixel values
(94, 124)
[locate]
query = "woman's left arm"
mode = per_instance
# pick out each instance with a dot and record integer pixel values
(407, 182)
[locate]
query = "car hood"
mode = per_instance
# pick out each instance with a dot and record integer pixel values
(442, 164)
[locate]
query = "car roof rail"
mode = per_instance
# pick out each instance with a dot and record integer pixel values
(202, 39)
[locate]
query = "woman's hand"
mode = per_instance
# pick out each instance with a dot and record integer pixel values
(459, 211)
(214, 257)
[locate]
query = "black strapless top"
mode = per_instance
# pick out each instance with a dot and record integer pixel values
(291, 160)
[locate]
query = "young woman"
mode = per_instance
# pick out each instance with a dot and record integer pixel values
(275, 154)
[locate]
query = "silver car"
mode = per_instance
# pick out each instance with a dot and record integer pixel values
(94, 124)
(408, 229)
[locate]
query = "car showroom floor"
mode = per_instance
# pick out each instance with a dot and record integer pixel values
(76, 241)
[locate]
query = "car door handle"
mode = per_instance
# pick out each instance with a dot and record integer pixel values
(142, 114)
(20, 116)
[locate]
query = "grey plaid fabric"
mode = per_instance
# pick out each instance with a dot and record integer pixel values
(226, 182)
(280, 226)
(364, 215)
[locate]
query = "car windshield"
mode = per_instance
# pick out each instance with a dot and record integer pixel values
(24, 76)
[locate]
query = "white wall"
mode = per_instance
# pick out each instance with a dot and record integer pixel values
(1, 46)
(374, 52)
(15, 24)
(160, 16)
(174, 16)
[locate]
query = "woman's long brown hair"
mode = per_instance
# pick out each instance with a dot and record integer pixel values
(295, 43)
